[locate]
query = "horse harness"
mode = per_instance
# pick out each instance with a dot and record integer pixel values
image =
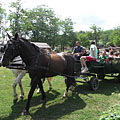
(47, 68)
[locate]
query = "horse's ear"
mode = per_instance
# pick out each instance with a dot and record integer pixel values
(16, 36)
(8, 36)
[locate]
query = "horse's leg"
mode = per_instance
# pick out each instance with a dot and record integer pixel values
(68, 82)
(49, 82)
(14, 87)
(42, 90)
(33, 86)
(67, 88)
(14, 91)
(22, 91)
(38, 91)
(20, 76)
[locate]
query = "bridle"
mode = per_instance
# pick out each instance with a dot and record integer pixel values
(14, 46)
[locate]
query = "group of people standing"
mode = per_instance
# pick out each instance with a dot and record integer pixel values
(80, 54)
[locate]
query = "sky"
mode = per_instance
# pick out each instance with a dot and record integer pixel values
(84, 13)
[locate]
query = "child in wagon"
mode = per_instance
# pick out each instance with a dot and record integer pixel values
(103, 57)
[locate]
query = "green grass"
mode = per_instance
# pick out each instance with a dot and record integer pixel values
(82, 104)
(112, 114)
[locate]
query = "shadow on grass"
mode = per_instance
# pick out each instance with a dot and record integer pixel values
(106, 87)
(52, 109)
(19, 106)
(58, 110)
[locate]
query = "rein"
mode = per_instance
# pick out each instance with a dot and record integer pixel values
(47, 68)
(40, 54)
(42, 67)
(59, 73)
(38, 66)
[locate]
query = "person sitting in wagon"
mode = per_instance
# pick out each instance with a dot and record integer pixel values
(103, 57)
(92, 57)
(78, 50)
(119, 55)
(111, 54)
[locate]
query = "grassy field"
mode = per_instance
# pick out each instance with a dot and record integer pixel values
(82, 104)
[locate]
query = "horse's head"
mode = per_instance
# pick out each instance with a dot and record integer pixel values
(11, 50)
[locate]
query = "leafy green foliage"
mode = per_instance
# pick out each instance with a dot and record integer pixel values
(112, 114)
(41, 24)
(96, 31)
(106, 38)
(2, 21)
(15, 17)
(116, 36)
(83, 38)
(66, 28)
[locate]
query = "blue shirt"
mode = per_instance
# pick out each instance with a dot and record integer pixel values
(95, 50)
(77, 49)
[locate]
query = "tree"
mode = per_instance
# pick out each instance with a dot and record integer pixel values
(66, 30)
(72, 39)
(96, 31)
(45, 25)
(83, 38)
(15, 17)
(106, 38)
(2, 21)
(116, 36)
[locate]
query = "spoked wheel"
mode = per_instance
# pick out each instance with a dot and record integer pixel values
(94, 83)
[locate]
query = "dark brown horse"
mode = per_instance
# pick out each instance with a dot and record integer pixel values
(39, 64)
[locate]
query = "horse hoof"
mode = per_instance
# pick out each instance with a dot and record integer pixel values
(25, 112)
(72, 88)
(38, 92)
(64, 96)
(15, 100)
(21, 96)
(50, 88)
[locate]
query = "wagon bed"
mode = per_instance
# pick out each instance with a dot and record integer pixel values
(97, 71)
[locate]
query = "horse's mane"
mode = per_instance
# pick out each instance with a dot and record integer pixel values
(33, 45)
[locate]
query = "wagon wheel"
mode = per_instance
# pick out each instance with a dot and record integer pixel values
(119, 77)
(100, 76)
(94, 83)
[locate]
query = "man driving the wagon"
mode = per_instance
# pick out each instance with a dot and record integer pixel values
(78, 51)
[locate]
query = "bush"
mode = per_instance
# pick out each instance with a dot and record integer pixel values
(112, 114)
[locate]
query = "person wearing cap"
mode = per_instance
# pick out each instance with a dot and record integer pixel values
(78, 50)
(92, 56)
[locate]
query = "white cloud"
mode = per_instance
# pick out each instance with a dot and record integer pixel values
(103, 13)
